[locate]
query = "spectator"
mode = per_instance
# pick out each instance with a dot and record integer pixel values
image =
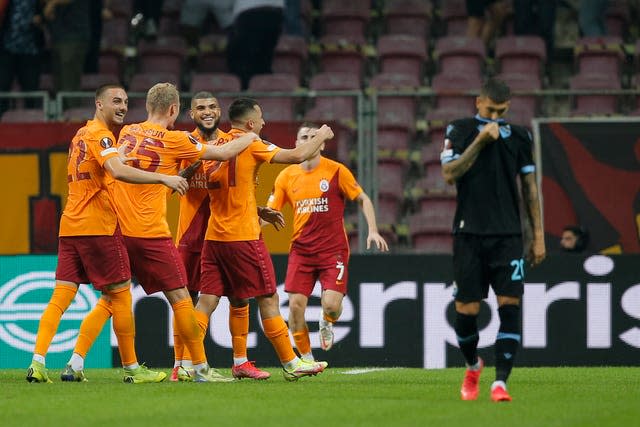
(194, 12)
(536, 17)
(574, 239)
(68, 22)
(591, 17)
(151, 10)
(98, 10)
(485, 18)
(292, 21)
(21, 43)
(257, 25)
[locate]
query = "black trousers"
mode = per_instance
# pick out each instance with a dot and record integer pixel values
(252, 41)
(26, 70)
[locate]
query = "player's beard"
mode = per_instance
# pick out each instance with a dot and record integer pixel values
(206, 132)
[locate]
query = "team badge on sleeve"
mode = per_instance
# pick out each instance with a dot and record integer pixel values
(106, 142)
(324, 185)
(194, 141)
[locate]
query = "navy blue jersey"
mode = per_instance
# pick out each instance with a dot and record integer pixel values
(487, 200)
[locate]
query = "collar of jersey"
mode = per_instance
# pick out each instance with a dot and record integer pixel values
(482, 119)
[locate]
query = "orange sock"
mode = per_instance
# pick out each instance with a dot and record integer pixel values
(203, 323)
(91, 326)
(189, 329)
(62, 296)
(301, 338)
(124, 325)
(328, 318)
(178, 345)
(276, 330)
(239, 328)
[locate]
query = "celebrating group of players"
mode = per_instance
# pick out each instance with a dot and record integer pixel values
(114, 224)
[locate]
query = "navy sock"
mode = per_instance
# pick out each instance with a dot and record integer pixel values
(507, 341)
(466, 328)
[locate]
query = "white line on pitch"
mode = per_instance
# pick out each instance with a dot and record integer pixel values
(364, 371)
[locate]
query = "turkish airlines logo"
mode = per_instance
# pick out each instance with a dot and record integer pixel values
(22, 301)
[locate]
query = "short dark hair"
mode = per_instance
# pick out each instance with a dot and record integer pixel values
(310, 125)
(496, 90)
(203, 94)
(105, 87)
(240, 107)
(582, 237)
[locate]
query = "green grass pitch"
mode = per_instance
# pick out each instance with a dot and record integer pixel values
(547, 397)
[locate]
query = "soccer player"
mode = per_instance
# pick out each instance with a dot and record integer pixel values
(316, 189)
(484, 155)
(91, 248)
(235, 260)
(155, 261)
(192, 225)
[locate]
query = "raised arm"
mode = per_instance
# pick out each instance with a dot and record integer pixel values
(453, 170)
(537, 251)
(229, 150)
(370, 216)
(132, 175)
(304, 151)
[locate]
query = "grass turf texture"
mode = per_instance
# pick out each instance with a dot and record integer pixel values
(394, 397)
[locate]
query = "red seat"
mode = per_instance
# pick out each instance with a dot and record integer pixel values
(216, 83)
(78, 114)
(142, 82)
(275, 108)
(617, 18)
(432, 243)
(521, 55)
(110, 63)
(402, 54)
(387, 210)
(391, 178)
(454, 15)
(166, 54)
(345, 17)
(91, 82)
(599, 55)
(452, 91)
(594, 104)
(169, 26)
(393, 139)
(432, 183)
(522, 82)
(412, 17)
(23, 116)
(121, 8)
(430, 152)
(333, 108)
(136, 115)
(342, 54)
(290, 55)
(212, 55)
(459, 54)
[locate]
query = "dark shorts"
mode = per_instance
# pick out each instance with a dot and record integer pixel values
(156, 264)
(99, 260)
(237, 269)
(483, 261)
(191, 262)
(303, 272)
(476, 8)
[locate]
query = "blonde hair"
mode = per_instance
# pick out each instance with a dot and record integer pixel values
(161, 96)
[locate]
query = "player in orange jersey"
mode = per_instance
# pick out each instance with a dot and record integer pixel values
(155, 261)
(316, 190)
(91, 248)
(235, 260)
(192, 225)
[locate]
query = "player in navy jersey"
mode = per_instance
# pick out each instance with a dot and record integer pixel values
(483, 156)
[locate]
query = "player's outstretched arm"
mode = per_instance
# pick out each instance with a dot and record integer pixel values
(304, 151)
(131, 175)
(537, 251)
(453, 170)
(373, 236)
(230, 149)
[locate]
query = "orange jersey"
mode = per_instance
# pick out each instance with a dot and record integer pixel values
(89, 210)
(142, 208)
(194, 206)
(318, 199)
(232, 188)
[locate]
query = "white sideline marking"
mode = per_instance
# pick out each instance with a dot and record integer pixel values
(364, 371)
